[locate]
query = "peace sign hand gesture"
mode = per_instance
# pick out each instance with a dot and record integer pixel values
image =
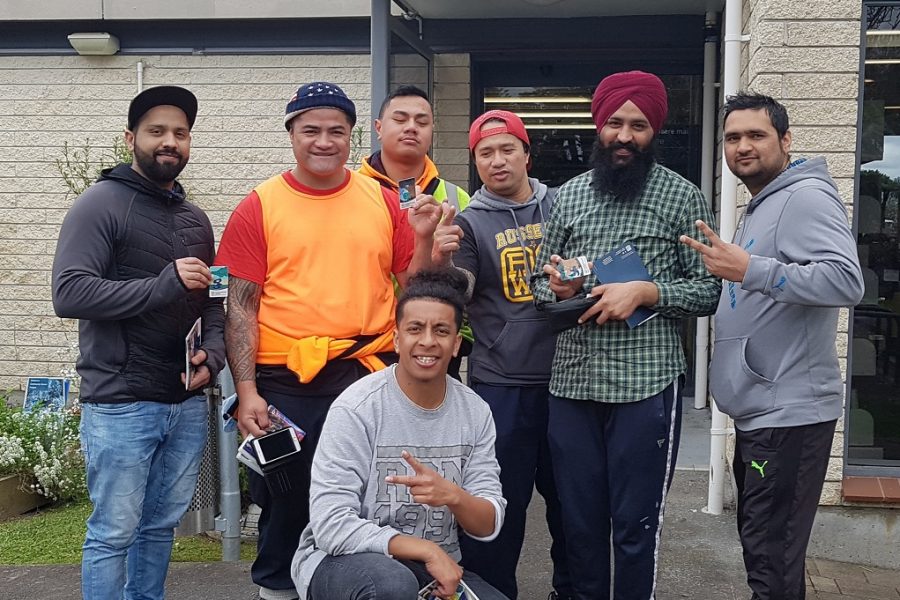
(426, 486)
(728, 261)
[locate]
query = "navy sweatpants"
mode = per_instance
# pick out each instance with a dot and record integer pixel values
(520, 416)
(613, 465)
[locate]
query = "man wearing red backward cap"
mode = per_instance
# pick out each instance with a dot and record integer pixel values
(510, 362)
(615, 404)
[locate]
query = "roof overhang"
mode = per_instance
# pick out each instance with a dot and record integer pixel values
(556, 9)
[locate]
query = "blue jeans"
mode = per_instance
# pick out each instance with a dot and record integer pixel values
(373, 576)
(143, 459)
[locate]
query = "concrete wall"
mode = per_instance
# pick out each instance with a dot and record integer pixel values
(178, 9)
(238, 141)
(806, 54)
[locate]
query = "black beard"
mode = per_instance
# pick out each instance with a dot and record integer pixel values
(624, 182)
(160, 174)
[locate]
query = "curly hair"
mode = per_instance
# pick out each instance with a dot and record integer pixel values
(447, 286)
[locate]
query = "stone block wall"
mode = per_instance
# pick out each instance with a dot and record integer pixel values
(806, 54)
(238, 141)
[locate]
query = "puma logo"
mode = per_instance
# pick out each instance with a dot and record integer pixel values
(759, 467)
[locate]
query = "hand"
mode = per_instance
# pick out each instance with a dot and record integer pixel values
(446, 236)
(253, 414)
(564, 289)
(424, 216)
(193, 273)
(728, 261)
(426, 486)
(445, 571)
(619, 300)
(201, 376)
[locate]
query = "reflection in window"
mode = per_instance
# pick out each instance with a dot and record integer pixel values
(562, 133)
(873, 431)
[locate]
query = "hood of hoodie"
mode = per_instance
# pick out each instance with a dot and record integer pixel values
(124, 174)
(802, 169)
(374, 168)
(484, 199)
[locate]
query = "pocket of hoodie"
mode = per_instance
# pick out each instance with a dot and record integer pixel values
(524, 348)
(739, 391)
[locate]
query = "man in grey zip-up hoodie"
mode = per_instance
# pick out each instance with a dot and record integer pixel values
(510, 363)
(775, 370)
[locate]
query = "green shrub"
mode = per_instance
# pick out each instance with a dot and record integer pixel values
(43, 448)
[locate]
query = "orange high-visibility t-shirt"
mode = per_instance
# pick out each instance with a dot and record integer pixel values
(324, 259)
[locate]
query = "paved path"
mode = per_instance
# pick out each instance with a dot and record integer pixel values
(700, 560)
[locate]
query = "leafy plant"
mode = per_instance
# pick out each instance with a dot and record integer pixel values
(43, 448)
(357, 146)
(79, 166)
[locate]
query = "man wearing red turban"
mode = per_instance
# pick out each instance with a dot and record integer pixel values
(615, 404)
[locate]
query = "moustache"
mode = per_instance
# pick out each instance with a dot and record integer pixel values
(630, 146)
(168, 153)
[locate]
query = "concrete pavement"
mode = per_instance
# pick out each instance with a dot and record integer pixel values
(700, 559)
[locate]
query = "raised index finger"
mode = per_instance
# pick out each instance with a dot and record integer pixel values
(418, 467)
(708, 232)
(449, 212)
(695, 244)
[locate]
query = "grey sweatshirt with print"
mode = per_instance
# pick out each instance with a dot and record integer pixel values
(774, 361)
(352, 509)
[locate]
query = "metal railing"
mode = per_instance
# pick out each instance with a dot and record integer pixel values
(216, 504)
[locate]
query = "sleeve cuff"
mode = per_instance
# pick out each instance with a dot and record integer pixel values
(498, 523)
(757, 274)
(666, 293)
(388, 534)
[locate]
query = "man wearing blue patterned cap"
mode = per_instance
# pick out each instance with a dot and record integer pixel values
(310, 253)
(615, 404)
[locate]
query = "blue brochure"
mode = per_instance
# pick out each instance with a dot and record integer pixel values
(620, 266)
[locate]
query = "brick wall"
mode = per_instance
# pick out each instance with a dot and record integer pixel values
(806, 54)
(238, 141)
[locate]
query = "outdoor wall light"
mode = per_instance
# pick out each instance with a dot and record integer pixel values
(94, 43)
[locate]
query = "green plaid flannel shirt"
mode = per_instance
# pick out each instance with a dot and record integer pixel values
(612, 363)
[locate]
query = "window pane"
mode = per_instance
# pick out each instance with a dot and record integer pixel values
(562, 133)
(873, 431)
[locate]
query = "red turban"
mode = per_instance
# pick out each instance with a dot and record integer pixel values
(644, 89)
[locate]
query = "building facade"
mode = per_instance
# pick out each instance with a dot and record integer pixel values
(835, 64)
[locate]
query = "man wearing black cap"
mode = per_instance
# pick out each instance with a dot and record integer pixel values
(310, 254)
(131, 265)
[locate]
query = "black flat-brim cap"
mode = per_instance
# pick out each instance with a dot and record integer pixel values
(164, 95)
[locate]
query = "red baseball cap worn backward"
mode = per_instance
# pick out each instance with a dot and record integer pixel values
(644, 89)
(513, 125)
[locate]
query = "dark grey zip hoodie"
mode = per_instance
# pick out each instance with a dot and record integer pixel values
(774, 362)
(513, 345)
(114, 270)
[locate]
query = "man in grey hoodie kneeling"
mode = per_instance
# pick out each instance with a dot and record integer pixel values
(775, 370)
(510, 363)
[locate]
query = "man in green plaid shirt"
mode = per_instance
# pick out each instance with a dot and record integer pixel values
(615, 406)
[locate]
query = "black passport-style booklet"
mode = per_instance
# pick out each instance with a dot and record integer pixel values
(620, 266)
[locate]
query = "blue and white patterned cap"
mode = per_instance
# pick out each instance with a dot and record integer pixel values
(319, 94)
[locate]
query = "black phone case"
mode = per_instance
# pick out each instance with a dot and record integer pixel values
(564, 314)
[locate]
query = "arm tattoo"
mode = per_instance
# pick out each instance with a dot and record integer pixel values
(242, 329)
(471, 279)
